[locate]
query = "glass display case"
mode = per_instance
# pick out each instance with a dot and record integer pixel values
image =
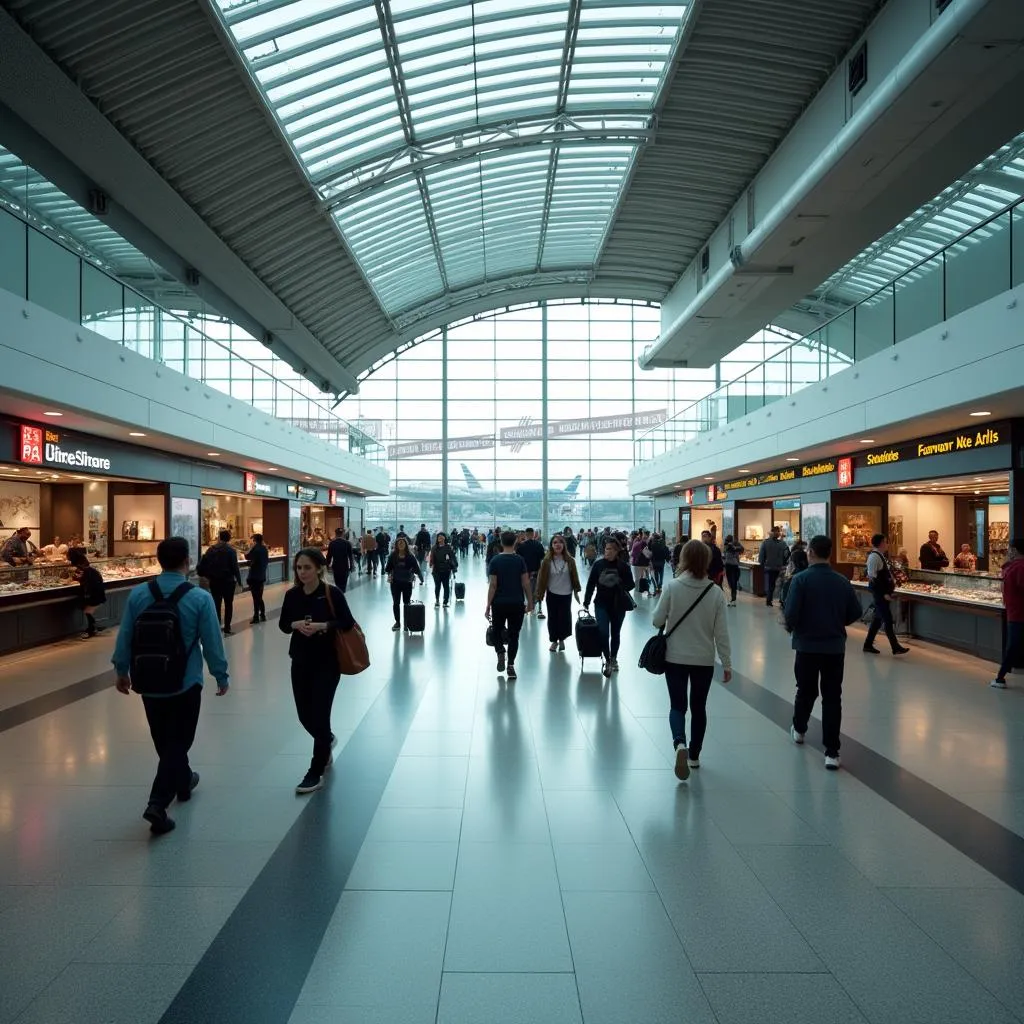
(49, 576)
(983, 589)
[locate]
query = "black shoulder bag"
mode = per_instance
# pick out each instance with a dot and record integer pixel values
(655, 652)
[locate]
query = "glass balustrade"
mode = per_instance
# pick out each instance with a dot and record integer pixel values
(983, 263)
(37, 267)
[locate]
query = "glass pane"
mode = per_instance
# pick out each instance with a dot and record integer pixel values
(978, 267)
(919, 299)
(874, 325)
(13, 244)
(102, 303)
(53, 277)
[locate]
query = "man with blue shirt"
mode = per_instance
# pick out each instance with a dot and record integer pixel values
(820, 604)
(173, 717)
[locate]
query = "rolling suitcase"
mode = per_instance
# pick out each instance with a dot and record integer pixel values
(416, 617)
(588, 637)
(460, 590)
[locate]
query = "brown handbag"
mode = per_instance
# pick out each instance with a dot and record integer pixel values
(349, 645)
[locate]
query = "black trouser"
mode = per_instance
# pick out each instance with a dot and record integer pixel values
(882, 620)
(771, 577)
(1014, 648)
(259, 609)
(609, 622)
(559, 616)
(510, 617)
(400, 592)
(172, 724)
(699, 679)
(341, 578)
(732, 576)
(223, 592)
(820, 673)
(658, 572)
(443, 579)
(371, 561)
(313, 687)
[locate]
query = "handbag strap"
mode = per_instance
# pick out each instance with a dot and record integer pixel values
(330, 603)
(703, 593)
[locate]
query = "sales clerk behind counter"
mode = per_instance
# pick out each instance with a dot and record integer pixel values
(15, 550)
(931, 555)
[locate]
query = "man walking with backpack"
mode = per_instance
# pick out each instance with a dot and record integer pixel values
(168, 627)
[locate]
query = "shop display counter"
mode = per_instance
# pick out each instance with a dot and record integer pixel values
(751, 577)
(963, 610)
(39, 603)
(277, 567)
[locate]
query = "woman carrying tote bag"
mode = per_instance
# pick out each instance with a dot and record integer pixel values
(690, 649)
(312, 614)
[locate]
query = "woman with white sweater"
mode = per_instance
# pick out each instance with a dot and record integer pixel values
(690, 661)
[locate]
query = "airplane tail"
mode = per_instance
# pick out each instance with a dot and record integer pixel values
(471, 481)
(574, 486)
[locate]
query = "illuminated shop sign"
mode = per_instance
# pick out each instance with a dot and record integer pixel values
(844, 475)
(253, 486)
(42, 447)
(303, 493)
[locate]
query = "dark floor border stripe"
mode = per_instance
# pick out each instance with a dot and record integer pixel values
(47, 703)
(994, 847)
(256, 966)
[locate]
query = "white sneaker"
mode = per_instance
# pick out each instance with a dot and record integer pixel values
(832, 763)
(731, 604)
(682, 764)
(998, 684)
(798, 737)
(693, 762)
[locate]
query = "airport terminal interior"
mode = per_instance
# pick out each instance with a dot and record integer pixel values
(287, 281)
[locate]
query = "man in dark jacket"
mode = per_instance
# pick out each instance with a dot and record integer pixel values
(773, 556)
(258, 558)
(423, 542)
(531, 551)
(340, 559)
(716, 567)
(820, 605)
(220, 567)
(931, 554)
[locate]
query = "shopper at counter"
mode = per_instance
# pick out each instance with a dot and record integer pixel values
(258, 557)
(93, 591)
(882, 584)
(15, 550)
(220, 567)
(172, 717)
(773, 556)
(731, 553)
(820, 605)
(1013, 601)
(931, 555)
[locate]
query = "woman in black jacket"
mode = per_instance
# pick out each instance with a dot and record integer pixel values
(659, 556)
(442, 564)
(312, 612)
(609, 584)
(401, 567)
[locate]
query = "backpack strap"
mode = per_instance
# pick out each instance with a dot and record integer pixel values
(154, 589)
(179, 592)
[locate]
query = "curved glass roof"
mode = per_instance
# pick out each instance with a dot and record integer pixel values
(457, 144)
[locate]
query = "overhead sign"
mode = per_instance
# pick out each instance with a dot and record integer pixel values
(844, 475)
(253, 486)
(42, 447)
(411, 449)
(335, 497)
(303, 493)
(965, 440)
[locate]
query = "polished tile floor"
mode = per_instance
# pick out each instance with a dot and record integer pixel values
(487, 852)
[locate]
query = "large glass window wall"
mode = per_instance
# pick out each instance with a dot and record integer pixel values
(463, 415)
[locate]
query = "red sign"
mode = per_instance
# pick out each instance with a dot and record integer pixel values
(844, 472)
(250, 483)
(712, 492)
(688, 495)
(31, 445)
(332, 497)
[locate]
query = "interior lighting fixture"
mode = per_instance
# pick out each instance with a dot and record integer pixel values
(272, 469)
(744, 470)
(791, 459)
(867, 440)
(61, 414)
(135, 433)
(980, 412)
(977, 492)
(706, 478)
(213, 454)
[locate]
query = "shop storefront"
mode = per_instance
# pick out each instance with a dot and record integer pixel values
(958, 484)
(118, 501)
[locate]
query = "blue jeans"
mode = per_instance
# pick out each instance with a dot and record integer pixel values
(699, 679)
(609, 622)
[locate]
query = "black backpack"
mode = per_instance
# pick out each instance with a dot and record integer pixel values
(159, 657)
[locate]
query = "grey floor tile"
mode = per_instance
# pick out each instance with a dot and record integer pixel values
(509, 999)
(415, 865)
(585, 816)
(411, 825)
(163, 925)
(977, 928)
(629, 963)
(507, 911)
(107, 994)
(381, 957)
(434, 744)
(793, 998)
(601, 867)
(505, 816)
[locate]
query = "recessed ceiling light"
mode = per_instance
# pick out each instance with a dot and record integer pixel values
(791, 459)
(14, 469)
(978, 480)
(744, 470)
(53, 414)
(981, 412)
(706, 478)
(977, 492)
(309, 478)
(136, 433)
(867, 440)
(272, 469)
(213, 454)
